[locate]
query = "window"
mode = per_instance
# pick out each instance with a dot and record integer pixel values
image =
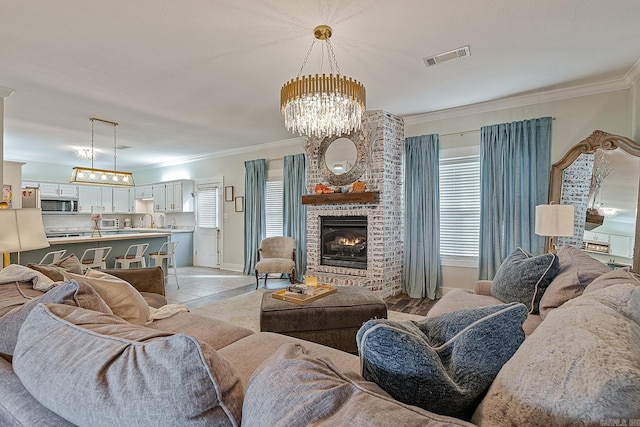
(207, 206)
(273, 201)
(460, 210)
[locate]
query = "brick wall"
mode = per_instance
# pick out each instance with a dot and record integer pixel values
(385, 139)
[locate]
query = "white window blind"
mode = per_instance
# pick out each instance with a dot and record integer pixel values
(273, 201)
(459, 207)
(208, 206)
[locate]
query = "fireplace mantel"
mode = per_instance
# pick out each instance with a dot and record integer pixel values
(339, 198)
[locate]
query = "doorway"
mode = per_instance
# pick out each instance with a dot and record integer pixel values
(207, 235)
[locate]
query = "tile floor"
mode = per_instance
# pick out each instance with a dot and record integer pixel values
(200, 286)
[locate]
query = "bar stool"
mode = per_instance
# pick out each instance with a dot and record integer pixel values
(95, 258)
(56, 255)
(166, 257)
(134, 255)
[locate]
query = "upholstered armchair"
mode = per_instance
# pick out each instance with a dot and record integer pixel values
(276, 255)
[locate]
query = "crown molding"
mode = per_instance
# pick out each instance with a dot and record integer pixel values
(292, 142)
(529, 99)
(5, 91)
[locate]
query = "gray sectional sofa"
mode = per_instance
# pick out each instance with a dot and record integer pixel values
(75, 363)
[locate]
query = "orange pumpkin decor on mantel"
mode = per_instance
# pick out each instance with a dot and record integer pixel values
(358, 186)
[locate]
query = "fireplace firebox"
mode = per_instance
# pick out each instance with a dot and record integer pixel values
(343, 241)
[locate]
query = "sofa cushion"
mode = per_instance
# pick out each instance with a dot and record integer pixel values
(103, 371)
(73, 293)
(123, 299)
(523, 278)
(15, 294)
(577, 270)
(55, 271)
(580, 366)
(613, 277)
(443, 364)
(293, 388)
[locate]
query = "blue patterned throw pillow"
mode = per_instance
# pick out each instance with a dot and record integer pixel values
(523, 278)
(443, 364)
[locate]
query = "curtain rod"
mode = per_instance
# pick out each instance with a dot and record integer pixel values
(462, 132)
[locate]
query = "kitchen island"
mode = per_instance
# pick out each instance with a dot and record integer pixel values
(77, 244)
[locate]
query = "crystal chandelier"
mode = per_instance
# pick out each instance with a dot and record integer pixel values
(321, 105)
(106, 177)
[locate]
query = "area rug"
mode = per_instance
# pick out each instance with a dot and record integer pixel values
(244, 310)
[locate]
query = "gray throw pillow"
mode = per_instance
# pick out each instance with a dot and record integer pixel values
(523, 278)
(96, 369)
(73, 293)
(294, 388)
(443, 364)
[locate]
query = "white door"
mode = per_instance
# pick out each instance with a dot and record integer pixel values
(206, 238)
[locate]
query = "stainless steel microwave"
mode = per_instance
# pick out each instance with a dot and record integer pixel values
(59, 206)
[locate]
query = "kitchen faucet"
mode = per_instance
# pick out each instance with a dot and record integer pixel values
(153, 224)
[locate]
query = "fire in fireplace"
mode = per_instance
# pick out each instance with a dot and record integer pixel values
(343, 241)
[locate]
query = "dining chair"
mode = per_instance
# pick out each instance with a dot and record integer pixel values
(135, 254)
(165, 257)
(55, 257)
(95, 258)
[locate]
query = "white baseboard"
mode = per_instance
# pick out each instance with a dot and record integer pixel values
(232, 267)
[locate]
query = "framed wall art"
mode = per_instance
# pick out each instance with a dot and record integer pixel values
(239, 203)
(228, 193)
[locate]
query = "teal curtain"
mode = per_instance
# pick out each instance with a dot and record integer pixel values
(255, 183)
(293, 211)
(515, 164)
(422, 275)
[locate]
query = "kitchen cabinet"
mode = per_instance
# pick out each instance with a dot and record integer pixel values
(88, 196)
(49, 189)
(173, 196)
(179, 196)
(122, 200)
(184, 249)
(143, 192)
(159, 198)
(621, 246)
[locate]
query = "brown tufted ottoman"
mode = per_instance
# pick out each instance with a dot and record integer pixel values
(332, 320)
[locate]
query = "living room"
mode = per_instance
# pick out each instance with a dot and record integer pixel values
(194, 88)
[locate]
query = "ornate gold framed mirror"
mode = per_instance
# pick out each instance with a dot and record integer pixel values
(597, 144)
(343, 159)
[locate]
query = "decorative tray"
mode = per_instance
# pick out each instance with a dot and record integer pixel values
(301, 299)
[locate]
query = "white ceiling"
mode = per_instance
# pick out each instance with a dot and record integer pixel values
(194, 77)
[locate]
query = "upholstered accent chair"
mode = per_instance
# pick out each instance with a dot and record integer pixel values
(276, 255)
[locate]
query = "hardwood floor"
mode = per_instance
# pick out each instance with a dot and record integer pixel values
(200, 286)
(406, 304)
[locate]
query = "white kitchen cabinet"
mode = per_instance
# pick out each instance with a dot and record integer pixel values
(159, 198)
(122, 200)
(88, 196)
(106, 199)
(49, 189)
(179, 196)
(143, 192)
(621, 246)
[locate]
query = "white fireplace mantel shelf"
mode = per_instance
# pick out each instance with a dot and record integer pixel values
(340, 198)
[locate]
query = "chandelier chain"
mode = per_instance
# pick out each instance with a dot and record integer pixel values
(306, 57)
(333, 57)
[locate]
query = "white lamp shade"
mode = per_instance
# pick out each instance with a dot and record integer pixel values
(554, 220)
(21, 230)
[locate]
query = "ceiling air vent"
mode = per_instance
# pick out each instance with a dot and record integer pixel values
(447, 56)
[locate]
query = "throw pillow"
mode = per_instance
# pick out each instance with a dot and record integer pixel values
(294, 388)
(55, 271)
(123, 299)
(523, 278)
(74, 294)
(579, 368)
(613, 277)
(103, 371)
(577, 270)
(443, 364)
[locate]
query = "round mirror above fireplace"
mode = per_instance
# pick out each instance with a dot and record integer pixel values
(342, 158)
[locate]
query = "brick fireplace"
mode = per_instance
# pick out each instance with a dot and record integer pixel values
(384, 217)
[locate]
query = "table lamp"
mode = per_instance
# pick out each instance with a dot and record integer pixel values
(554, 221)
(21, 230)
